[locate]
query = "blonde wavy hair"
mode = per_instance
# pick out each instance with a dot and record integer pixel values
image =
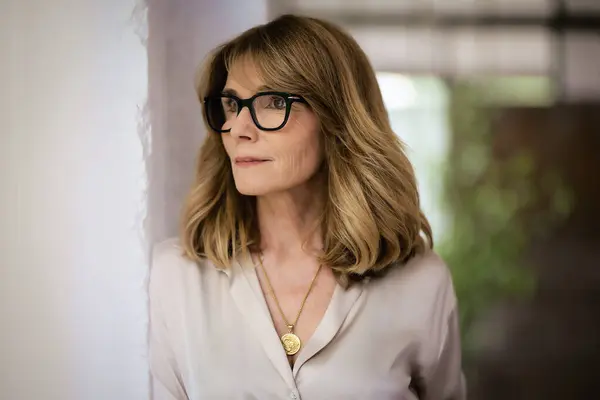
(372, 218)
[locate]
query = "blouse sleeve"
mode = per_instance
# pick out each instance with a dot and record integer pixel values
(166, 380)
(445, 380)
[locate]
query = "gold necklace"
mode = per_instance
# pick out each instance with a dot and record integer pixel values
(290, 341)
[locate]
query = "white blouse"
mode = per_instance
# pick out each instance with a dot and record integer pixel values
(212, 337)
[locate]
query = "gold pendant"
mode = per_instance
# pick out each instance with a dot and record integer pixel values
(291, 343)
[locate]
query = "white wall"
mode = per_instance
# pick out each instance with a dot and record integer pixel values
(87, 187)
(72, 249)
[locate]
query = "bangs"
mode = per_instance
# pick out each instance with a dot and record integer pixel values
(270, 51)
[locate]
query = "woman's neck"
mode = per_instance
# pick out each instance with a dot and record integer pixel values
(289, 222)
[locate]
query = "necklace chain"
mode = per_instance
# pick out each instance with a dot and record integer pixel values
(289, 325)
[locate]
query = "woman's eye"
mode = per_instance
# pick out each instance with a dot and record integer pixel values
(278, 102)
(230, 105)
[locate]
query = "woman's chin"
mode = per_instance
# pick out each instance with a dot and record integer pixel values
(254, 190)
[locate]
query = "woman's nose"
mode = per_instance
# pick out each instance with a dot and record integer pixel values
(243, 126)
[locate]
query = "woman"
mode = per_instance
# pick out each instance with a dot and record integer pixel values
(304, 269)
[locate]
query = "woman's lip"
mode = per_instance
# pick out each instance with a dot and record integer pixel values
(249, 159)
(249, 163)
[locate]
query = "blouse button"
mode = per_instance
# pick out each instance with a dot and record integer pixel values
(293, 395)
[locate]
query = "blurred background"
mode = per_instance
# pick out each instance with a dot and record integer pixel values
(498, 102)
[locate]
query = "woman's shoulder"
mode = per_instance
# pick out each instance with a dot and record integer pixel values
(169, 255)
(171, 267)
(424, 279)
(427, 268)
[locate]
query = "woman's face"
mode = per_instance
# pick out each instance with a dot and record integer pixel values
(289, 157)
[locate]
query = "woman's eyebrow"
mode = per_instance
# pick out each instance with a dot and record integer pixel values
(229, 91)
(233, 92)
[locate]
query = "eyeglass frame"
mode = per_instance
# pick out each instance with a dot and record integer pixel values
(241, 103)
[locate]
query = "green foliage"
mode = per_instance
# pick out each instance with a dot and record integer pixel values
(487, 199)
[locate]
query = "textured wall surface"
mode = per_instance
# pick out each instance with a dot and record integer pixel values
(93, 169)
(72, 249)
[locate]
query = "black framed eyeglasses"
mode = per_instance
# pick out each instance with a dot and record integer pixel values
(270, 111)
